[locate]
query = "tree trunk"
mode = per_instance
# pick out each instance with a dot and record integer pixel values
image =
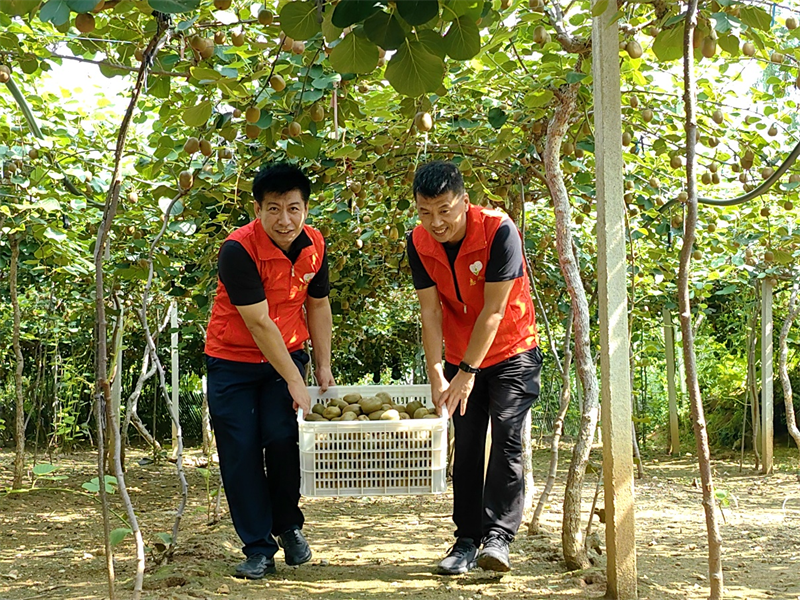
(698, 418)
(558, 428)
(791, 421)
(571, 535)
(19, 429)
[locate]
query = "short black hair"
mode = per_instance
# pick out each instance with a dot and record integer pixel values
(436, 178)
(280, 178)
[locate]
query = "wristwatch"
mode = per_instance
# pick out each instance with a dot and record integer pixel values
(468, 368)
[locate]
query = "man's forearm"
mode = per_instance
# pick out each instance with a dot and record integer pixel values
(432, 341)
(269, 340)
(483, 334)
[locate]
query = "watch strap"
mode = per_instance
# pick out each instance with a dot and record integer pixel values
(467, 368)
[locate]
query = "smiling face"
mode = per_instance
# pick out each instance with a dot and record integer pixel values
(282, 216)
(445, 216)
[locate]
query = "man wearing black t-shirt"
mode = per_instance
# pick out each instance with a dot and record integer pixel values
(272, 296)
(469, 272)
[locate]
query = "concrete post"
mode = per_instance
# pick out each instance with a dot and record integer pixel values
(766, 376)
(669, 344)
(612, 286)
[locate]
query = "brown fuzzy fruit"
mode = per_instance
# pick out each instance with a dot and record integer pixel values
(197, 42)
(205, 148)
(749, 49)
(647, 115)
(709, 47)
(791, 23)
(717, 116)
(84, 22)
(277, 83)
(769, 256)
(237, 113)
(298, 47)
(138, 55)
(222, 4)
(777, 58)
(186, 180)
(287, 44)
(265, 17)
(33, 154)
(208, 49)
(252, 114)
(219, 38)
(633, 49)
(252, 131)
(237, 39)
(627, 138)
(423, 121)
(764, 212)
(773, 131)
(317, 113)
(295, 129)
(5, 74)
(191, 146)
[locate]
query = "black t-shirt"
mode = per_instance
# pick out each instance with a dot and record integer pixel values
(239, 274)
(505, 257)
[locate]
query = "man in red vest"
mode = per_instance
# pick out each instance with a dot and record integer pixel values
(468, 267)
(272, 296)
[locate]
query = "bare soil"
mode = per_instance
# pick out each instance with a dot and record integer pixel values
(387, 547)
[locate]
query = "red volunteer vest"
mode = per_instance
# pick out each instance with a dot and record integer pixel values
(286, 288)
(517, 331)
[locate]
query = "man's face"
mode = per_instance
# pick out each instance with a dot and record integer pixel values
(282, 216)
(445, 216)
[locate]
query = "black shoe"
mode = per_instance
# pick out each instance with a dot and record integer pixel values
(460, 558)
(494, 555)
(255, 567)
(295, 547)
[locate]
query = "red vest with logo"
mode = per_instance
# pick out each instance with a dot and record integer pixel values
(517, 331)
(286, 289)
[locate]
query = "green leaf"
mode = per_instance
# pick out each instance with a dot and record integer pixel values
(174, 6)
(538, 98)
(721, 22)
(306, 146)
(55, 235)
(412, 71)
(726, 290)
(349, 12)
(165, 537)
(432, 42)
(55, 12)
(92, 486)
(417, 12)
(330, 31)
(782, 258)
(497, 117)
(49, 204)
(341, 216)
(81, 6)
(463, 40)
(755, 17)
(117, 535)
(198, 115)
(44, 469)
(453, 9)
(299, 20)
(384, 30)
(575, 77)
(18, 8)
(729, 43)
(204, 74)
(354, 55)
(599, 8)
(668, 44)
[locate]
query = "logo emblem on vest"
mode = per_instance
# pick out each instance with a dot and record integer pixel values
(475, 268)
(308, 277)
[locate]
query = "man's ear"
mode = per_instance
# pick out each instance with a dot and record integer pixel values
(256, 208)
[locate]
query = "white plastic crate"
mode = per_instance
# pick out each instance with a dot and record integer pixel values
(373, 458)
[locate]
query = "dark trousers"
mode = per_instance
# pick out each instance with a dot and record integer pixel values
(257, 441)
(503, 393)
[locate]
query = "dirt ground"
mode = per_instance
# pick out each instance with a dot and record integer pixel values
(387, 547)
